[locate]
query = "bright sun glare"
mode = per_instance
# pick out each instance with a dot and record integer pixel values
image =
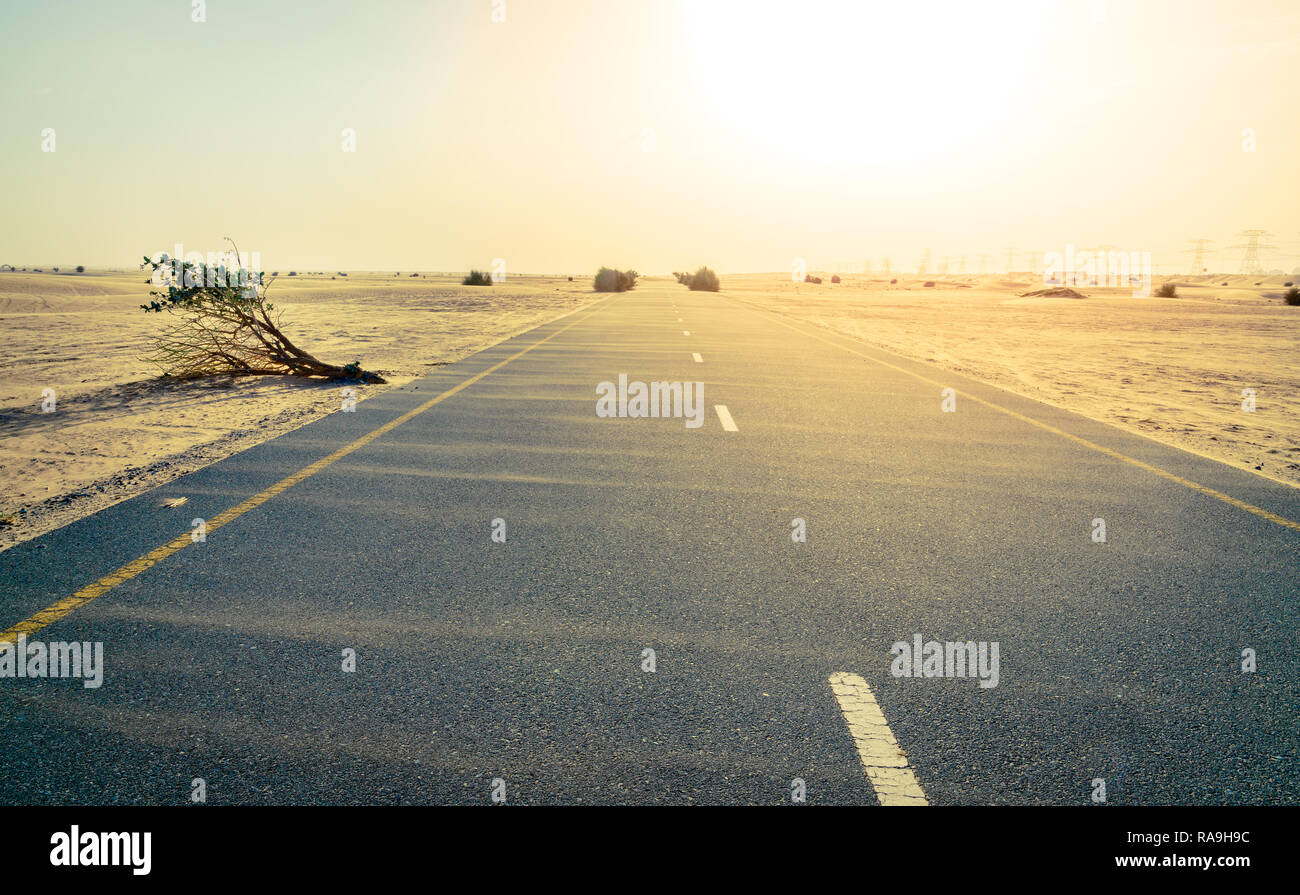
(836, 82)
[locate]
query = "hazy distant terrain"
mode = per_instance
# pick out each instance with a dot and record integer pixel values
(1170, 368)
(1173, 369)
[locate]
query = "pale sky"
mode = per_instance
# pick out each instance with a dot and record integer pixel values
(654, 134)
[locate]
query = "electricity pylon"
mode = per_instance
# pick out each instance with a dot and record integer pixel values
(1198, 249)
(1250, 262)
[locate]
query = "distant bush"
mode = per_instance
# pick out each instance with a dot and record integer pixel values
(893, 281)
(477, 278)
(1288, 283)
(809, 278)
(835, 279)
(929, 283)
(1292, 296)
(81, 268)
(610, 280)
(1167, 290)
(293, 273)
(704, 280)
(342, 274)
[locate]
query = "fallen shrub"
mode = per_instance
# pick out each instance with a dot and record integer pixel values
(225, 325)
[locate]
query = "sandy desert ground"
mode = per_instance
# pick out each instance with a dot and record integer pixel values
(1170, 368)
(119, 430)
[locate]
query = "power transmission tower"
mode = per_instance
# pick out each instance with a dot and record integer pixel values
(1011, 254)
(1198, 249)
(963, 263)
(1254, 242)
(984, 263)
(925, 263)
(1102, 274)
(886, 265)
(943, 268)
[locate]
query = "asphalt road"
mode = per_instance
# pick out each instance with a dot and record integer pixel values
(523, 661)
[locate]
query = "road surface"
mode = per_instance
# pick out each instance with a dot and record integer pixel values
(519, 668)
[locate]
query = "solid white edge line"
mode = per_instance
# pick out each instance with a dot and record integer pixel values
(882, 759)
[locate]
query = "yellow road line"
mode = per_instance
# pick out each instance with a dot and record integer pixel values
(882, 759)
(1187, 483)
(53, 613)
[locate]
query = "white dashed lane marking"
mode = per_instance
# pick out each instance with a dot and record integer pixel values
(724, 417)
(883, 760)
(698, 359)
(686, 332)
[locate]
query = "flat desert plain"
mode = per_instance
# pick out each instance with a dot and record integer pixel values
(118, 429)
(1173, 369)
(1169, 368)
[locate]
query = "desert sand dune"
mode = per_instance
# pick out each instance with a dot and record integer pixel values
(118, 429)
(1171, 368)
